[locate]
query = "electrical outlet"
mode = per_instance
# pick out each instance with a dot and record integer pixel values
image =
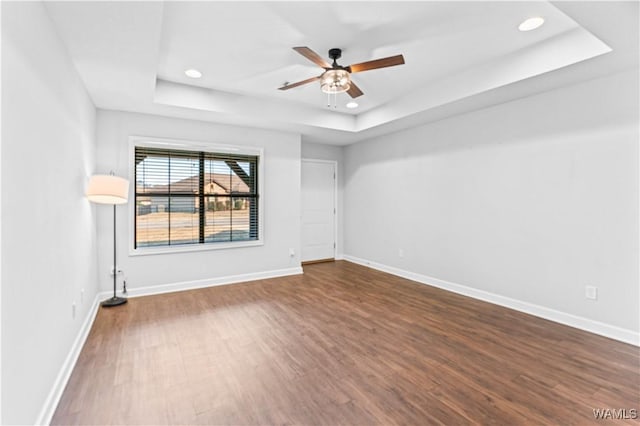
(292, 252)
(400, 253)
(591, 292)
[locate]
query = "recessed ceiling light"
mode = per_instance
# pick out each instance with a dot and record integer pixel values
(352, 105)
(531, 23)
(193, 73)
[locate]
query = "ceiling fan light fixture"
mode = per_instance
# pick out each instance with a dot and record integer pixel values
(352, 105)
(335, 81)
(336, 78)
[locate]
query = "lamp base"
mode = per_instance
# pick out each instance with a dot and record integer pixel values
(113, 301)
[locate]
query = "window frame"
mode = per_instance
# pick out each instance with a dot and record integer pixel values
(196, 146)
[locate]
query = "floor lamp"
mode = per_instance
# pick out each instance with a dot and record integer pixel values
(110, 189)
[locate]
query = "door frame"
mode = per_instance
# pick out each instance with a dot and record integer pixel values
(335, 200)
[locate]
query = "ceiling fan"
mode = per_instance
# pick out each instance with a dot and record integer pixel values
(336, 78)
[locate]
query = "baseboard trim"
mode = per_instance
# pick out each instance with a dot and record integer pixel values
(53, 399)
(209, 282)
(312, 262)
(585, 324)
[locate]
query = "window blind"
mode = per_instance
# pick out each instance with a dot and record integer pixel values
(194, 197)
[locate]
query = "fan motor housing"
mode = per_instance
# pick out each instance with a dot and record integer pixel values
(335, 53)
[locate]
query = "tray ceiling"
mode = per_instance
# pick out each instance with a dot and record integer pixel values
(132, 56)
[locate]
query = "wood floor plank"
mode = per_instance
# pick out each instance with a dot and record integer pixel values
(341, 344)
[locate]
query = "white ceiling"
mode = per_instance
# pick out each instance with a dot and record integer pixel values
(459, 56)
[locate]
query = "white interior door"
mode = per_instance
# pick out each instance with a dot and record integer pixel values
(318, 210)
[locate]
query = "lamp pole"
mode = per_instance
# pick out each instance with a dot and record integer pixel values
(110, 189)
(115, 300)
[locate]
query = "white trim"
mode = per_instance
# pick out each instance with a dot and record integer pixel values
(596, 327)
(53, 399)
(209, 282)
(336, 247)
(192, 145)
(154, 142)
(187, 248)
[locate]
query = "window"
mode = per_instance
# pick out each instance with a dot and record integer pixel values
(194, 197)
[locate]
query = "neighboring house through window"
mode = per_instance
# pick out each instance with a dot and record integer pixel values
(185, 197)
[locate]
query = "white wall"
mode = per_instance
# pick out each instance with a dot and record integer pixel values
(281, 196)
(530, 200)
(48, 231)
(317, 151)
(0, 233)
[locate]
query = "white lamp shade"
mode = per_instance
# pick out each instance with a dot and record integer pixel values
(108, 189)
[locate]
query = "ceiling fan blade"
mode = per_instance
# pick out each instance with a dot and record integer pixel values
(312, 56)
(354, 91)
(376, 63)
(299, 83)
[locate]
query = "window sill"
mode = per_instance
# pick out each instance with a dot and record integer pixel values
(148, 251)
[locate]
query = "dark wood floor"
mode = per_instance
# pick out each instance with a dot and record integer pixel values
(341, 344)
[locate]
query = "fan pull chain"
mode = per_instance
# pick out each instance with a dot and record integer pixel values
(335, 99)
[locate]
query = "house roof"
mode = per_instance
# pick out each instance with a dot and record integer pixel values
(215, 183)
